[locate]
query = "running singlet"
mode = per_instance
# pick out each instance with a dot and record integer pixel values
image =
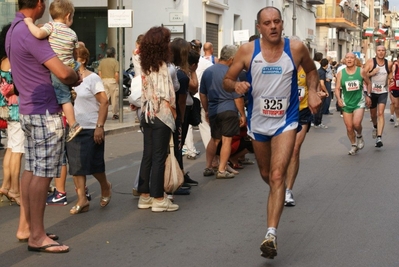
(273, 102)
(302, 90)
(379, 81)
(352, 88)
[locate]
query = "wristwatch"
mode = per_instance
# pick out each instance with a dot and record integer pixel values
(99, 126)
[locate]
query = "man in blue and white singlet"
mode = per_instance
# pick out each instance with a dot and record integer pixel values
(271, 63)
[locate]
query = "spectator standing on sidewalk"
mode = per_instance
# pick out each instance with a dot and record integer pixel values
(158, 119)
(329, 79)
(86, 150)
(108, 70)
(40, 117)
(322, 71)
(222, 109)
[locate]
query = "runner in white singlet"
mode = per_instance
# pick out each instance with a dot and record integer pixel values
(271, 64)
(376, 72)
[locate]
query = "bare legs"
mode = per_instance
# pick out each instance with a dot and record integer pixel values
(273, 158)
(293, 165)
(34, 194)
(353, 123)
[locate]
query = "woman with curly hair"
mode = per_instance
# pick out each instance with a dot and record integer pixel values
(157, 119)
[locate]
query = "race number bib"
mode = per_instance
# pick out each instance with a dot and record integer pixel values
(352, 85)
(378, 88)
(301, 93)
(273, 106)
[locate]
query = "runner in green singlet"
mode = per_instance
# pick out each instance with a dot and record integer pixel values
(352, 101)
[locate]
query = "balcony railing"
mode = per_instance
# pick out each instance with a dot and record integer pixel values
(334, 11)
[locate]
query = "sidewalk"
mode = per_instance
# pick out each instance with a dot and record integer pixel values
(128, 124)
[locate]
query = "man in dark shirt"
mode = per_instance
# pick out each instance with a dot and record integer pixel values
(322, 71)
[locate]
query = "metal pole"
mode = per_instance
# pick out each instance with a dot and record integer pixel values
(294, 17)
(120, 56)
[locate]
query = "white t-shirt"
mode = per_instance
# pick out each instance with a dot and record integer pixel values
(203, 64)
(86, 106)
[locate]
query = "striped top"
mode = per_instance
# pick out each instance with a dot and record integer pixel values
(62, 40)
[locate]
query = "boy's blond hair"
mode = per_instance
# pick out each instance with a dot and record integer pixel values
(59, 9)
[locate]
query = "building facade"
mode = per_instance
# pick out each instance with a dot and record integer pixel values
(207, 20)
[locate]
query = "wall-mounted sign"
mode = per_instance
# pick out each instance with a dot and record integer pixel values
(241, 36)
(175, 28)
(120, 18)
(175, 16)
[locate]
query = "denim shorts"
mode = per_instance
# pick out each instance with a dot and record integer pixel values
(44, 144)
(62, 91)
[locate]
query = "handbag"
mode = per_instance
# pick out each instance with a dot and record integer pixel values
(194, 114)
(3, 124)
(174, 176)
(135, 88)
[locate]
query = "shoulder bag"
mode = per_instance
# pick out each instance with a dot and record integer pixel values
(135, 91)
(174, 176)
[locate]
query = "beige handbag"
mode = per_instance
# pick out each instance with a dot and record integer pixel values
(174, 176)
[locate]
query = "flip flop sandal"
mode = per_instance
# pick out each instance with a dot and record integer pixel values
(52, 236)
(44, 249)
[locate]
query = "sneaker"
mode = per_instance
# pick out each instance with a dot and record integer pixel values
(322, 126)
(360, 142)
(353, 150)
(192, 157)
(189, 181)
(396, 124)
(289, 198)
(145, 202)
(182, 192)
(88, 196)
(312, 124)
(378, 142)
(224, 175)
(269, 246)
(74, 131)
(209, 172)
(57, 198)
(391, 119)
(135, 192)
(185, 186)
(163, 205)
(374, 133)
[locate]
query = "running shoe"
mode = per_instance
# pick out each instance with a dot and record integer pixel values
(360, 142)
(378, 142)
(374, 133)
(269, 246)
(209, 172)
(353, 150)
(391, 119)
(396, 124)
(57, 198)
(224, 175)
(289, 198)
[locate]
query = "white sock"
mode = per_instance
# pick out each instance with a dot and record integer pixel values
(272, 231)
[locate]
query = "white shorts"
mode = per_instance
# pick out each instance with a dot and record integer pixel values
(16, 137)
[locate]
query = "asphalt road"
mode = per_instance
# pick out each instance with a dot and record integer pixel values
(346, 212)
